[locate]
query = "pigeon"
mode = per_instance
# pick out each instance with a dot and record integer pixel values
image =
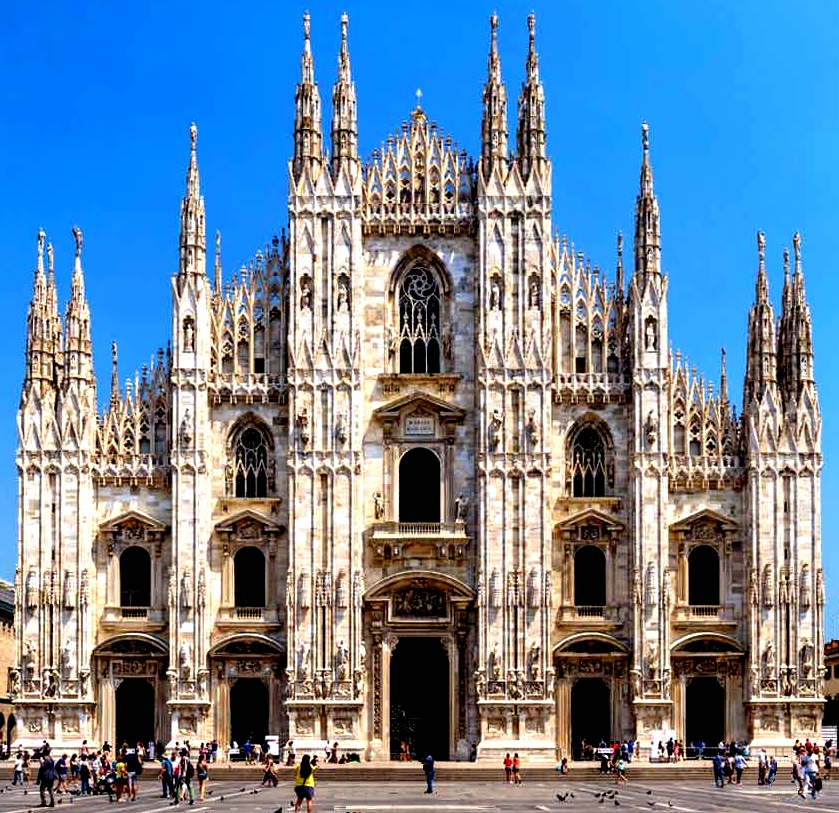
(60, 801)
(221, 798)
(242, 790)
(651, 804)
(649, 792)
(572, 795)
(617, 802)
(209, 793)
(279, 809)
(602, 800)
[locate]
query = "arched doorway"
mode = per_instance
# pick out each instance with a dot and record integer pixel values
(419, 698)
(134, 712)
(590, 713)
(249, 711)
(419, 486)
(705, 711)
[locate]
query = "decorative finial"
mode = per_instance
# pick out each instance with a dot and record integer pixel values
(306, 25)
(645, 136)
(193, 136)
(761, 246)
(531, 26)
(786, 263)
(493, 23)
(41, 237)
(77, 236)
(796, 247)
(50, 259)
(218, 242)
(344, 23)
(620, 244)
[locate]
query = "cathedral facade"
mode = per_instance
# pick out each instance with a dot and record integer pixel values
(418, 474)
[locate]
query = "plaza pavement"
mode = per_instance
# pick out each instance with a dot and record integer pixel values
(684, 796)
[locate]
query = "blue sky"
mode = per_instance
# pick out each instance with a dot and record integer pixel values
(742, 101)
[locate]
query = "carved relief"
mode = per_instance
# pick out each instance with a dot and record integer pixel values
(419, 602)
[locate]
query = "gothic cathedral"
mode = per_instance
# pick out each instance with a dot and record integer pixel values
(418, 477)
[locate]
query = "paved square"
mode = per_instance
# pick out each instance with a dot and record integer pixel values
(470, 797)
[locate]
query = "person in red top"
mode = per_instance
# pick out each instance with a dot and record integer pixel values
(516, 769)
(508, 769)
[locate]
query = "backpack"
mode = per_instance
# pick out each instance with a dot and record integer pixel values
(190, 770)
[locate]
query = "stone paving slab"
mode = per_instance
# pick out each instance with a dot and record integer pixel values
(475, 797)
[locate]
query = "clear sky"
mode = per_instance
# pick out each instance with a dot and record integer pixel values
(742, 100)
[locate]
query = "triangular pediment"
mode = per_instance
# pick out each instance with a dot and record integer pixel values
(705, 516)
(248, 519)
(421, 403)
(592, 516)
(133, 520)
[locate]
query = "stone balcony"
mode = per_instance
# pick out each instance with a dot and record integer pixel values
(125, 619)
(238, 618)
(606, 617)
(398, 541)
(704, 615)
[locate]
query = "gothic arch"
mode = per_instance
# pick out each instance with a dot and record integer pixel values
(263, 641)
(455, 587)
(250, 470)
(735, 645)
(148, 643)
(590, 458)
(421, 254)
(617, 645)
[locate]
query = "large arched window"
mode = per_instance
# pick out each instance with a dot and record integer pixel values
(249, 577)
(588, 463)
(419, 321)
(419, 486)
(135, 577)
(250, 472)
(590, 577)
(704, 576)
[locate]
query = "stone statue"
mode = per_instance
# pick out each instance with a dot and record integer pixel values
(461, 504)
(303, 426)
(358, 683)
(69, 591)
(533, 296)
(68, 659)
(189, 336)
(185, 660)
(769, 662)
(533, 662)
(807, 659)
(342, 661)
(480, 684)
(531, 428)
(448, 343)
(341, 428)
(32, 589)
(14, 683)
(305, 296)
(77, 236)
(495, 423)
(378, 505)
(651, 427)
(495, 664)
(186, 429)
(635, 684)
(343, 296)
(650, 335)
(304, 667)
(494, 295)
(805, 587)
(652, 659)
(186, 589)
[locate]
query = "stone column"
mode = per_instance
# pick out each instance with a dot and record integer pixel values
(563, 717)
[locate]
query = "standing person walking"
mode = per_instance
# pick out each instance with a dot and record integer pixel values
(186, 770)
(508, 769)
(719, 778)
(428, 767)
(17, 773)
(46, 777)
(134, 767)
(516, 769)
(304, 783)
(202, 774)
(739, 767)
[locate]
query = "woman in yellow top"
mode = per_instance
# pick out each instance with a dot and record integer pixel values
(304, 783)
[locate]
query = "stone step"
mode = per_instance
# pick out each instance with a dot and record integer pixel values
(466, 772)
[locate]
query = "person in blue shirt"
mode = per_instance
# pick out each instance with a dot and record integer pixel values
(428, 767)
(719, 777)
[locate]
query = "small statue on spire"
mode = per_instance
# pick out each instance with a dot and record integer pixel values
(796, 247)
(761, 246)
(50, 258)
(193, 136)
(77, 236)
(41, 237)
(645, 136)
(306, 25)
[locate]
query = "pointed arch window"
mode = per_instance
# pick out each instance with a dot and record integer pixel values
(419, 321)
(590, 461)
(250, 471)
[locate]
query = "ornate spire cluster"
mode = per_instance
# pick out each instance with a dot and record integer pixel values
(530, 134)
(780, 358)
(647, 218)
(418, 177)
(79, 352)
(344, 112)
(308, 138)
(494, 121)
(193, 238)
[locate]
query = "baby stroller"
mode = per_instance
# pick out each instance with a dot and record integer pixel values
(105, 785)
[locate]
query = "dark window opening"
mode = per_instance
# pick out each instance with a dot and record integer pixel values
(704, 576)
(249, 578)
(419, 322)
(419, 486)
(590, 577)
(251, 464)
(135, 577)
(588, 460)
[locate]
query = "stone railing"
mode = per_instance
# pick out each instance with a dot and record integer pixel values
(419, 529)
(590, 611)
(705, 610)
(134, 612)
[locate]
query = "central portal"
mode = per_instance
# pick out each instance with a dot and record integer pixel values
(419, 699)
(590, 714)
(249, 711)
(135, 711)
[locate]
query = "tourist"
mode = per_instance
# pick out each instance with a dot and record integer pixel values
(201, 774)
(185, 772)
(167, 786)
(809, 770)
(269, 774)
(630, 750)
(719, 765)
(121, 781)
(292, 755)
(84, 777)
(739, 767)
(333, 757)
(428, 767)
(304, 783)
(771, 770)
(508, 769)
(563, 766)
(46, 777)
(620, 771)
(516, 769)
(134, 767)
(17, 772)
